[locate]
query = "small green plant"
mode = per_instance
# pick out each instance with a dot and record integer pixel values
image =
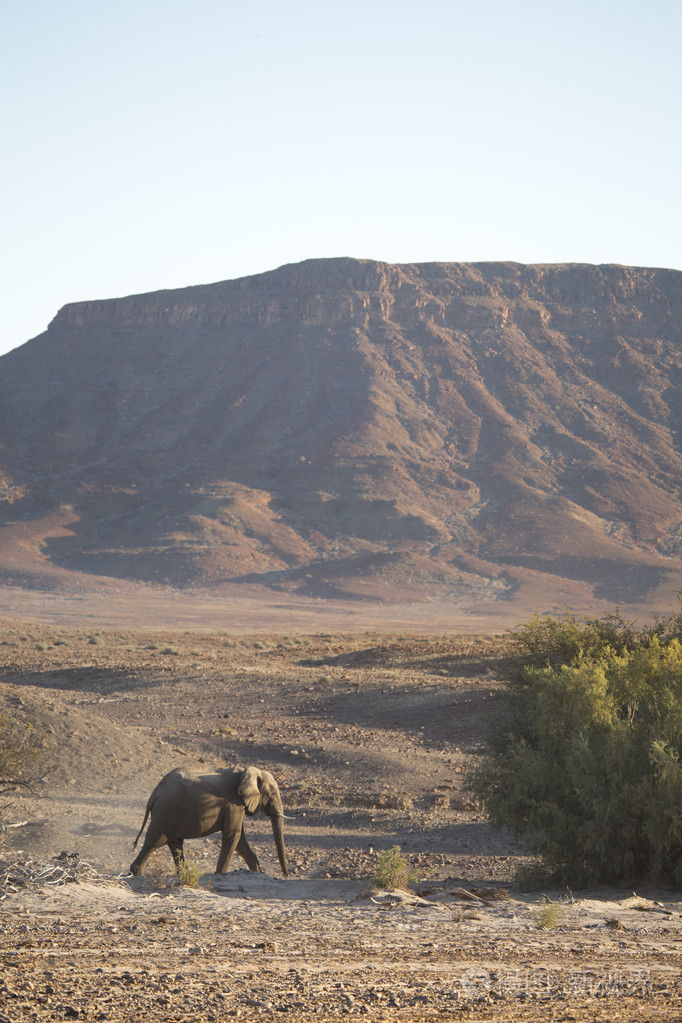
(392, 871)
(548, 914)
(189, 873)
(170, 651)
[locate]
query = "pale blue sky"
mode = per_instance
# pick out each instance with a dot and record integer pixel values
(161, 143)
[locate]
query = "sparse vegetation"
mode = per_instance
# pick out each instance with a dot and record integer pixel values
(157, 876)
(392, 871)
(161, 878)
(189, 873)
(20, 750)
(548, 915)
(584, 759)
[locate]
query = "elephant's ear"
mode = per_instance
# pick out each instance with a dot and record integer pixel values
(248, 789)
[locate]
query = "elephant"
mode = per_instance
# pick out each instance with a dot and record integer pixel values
(186, 805)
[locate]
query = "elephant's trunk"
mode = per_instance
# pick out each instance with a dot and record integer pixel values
(278, 833)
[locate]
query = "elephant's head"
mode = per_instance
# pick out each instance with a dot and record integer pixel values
(259, 791)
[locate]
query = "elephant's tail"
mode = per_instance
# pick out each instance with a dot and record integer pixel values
(143, 824)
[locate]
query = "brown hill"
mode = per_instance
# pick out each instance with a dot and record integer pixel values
(348, 428)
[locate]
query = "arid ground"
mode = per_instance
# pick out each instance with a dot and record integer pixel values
(369, 736)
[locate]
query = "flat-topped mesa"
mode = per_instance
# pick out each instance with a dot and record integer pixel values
(313, 310)
(332, 292)
(347, 427)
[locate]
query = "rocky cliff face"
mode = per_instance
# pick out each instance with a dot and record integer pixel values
(347, 427)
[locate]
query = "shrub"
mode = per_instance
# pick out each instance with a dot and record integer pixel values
(555, 640)
(548, 915)
(391, 870)
(20, 753)
(584, 755)
(189, 873)
(20, 750)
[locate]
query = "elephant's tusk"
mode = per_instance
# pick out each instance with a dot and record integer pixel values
(284, 817)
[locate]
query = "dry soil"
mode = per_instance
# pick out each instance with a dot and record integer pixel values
(369, 737)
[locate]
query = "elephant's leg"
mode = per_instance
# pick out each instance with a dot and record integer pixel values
(233, 819)
(151, 843)
(176, 851)
(247, 853)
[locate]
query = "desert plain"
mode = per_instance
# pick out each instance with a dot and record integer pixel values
(370, 734)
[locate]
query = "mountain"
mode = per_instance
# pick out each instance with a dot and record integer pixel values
(351, 428)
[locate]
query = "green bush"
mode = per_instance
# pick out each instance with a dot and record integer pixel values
(392, 871)
(555, 640)
(548, 915)
(189, 872)
(584, 754)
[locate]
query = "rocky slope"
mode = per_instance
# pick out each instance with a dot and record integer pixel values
(352, 428)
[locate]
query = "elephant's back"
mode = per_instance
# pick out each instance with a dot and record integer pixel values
(171, 784)
(188, 805)
(222, 784)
